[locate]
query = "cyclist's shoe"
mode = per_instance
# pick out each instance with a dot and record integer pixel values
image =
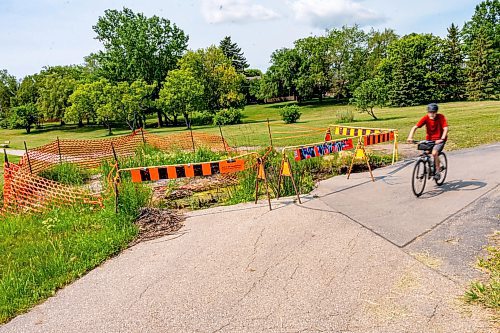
(437, 175)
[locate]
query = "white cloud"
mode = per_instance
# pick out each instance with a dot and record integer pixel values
(329, 13)
(238, 11)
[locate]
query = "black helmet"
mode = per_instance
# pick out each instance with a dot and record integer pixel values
(433, 107)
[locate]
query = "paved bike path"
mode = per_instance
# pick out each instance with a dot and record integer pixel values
(388, 206)
(304, 268)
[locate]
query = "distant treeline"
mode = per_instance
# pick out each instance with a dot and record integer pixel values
(145, 68)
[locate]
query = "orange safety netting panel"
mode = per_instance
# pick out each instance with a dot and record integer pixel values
(91, 153)
(27, 192)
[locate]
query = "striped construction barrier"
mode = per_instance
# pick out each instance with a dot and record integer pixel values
(156, 173)
(356, 131)
(321, 149)
(373, 139)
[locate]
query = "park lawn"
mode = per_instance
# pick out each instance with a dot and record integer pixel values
(471, 124)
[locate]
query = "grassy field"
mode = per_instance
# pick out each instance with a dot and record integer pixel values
(471, 124)
(43, 252)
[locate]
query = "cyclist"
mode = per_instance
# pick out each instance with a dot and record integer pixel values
(437, 131)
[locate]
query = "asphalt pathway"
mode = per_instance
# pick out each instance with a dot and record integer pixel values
(346, 260)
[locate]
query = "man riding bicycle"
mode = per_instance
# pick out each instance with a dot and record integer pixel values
(437, 131)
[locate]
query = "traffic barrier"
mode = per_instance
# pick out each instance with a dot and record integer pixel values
(371, 136)
(145, 174)
(305, 152)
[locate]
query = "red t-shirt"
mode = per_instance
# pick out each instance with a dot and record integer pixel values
(434, 126)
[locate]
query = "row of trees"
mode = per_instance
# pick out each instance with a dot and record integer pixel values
(145, 68)
(380, 67)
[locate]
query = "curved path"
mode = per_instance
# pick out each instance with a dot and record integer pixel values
(357, 256)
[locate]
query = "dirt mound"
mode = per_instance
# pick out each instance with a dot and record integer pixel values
(154, 223)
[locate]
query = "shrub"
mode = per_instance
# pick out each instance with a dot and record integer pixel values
(290, 114)
(228, 117)
(202, 118)
(344, 116)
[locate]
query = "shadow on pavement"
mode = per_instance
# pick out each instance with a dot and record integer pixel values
(455, 185)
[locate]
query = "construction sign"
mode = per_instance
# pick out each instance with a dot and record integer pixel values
(322, 149)
(186, 170)
(356, 131)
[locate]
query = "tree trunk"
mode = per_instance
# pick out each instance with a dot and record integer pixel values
(88, 120)
(160, 119)
(175, 120)
(28, 129)
(62, 122)
(109, 128)
(372, 114)
(80, 122)
(188, 123)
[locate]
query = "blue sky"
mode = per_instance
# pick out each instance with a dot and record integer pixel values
(34, 34)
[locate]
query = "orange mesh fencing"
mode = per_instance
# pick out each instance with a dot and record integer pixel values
(25, 190)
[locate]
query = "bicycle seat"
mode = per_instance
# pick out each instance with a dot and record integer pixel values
(426, 145)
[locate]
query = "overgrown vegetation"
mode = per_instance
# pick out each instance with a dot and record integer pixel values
(44, 252)
(67, 173)
(487, 292)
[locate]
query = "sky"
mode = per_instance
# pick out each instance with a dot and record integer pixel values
(34, 34)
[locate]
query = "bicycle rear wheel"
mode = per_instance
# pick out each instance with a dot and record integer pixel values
(419, 178)
(443, 161)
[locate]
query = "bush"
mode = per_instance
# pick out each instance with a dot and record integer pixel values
(290, 114)
(229, 116)
(345, 116)
(202, 118)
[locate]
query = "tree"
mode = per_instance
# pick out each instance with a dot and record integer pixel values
(181, 93)
(281, 77)
(369, 94)
(8, 89)
(137, 47)
(28, 91)
(315, 75)
(24, 116)
(378, 43)
(453, 77)
(413, 70)
(233, 53)
(221, 83)
(56, 85)
(482, 46)
(347, 50)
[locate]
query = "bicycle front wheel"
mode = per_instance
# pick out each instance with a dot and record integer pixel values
(419, 178)
(443, 161)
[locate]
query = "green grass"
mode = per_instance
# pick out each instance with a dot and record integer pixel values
(43, 252)
(471, 124)
(487, 292)
(67, 173)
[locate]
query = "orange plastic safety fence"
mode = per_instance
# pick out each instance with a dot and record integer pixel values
(28, 192)
(25, 190)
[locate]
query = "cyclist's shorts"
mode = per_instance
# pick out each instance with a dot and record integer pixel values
(439, 146)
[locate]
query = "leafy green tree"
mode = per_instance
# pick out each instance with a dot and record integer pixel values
(221, 83)
(8, 90)
(137, 47)
(181, 94)
(28, 91)
(369, 94)
(378, 43)
(233, 52)
(24, 116)
(482, 44)
(84, 102)
(348, 51)
(453, 76)
(413, 70)
(315, 75)
(281, 77)
(55, 86)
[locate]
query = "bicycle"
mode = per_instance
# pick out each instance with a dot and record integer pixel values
(424, 167)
